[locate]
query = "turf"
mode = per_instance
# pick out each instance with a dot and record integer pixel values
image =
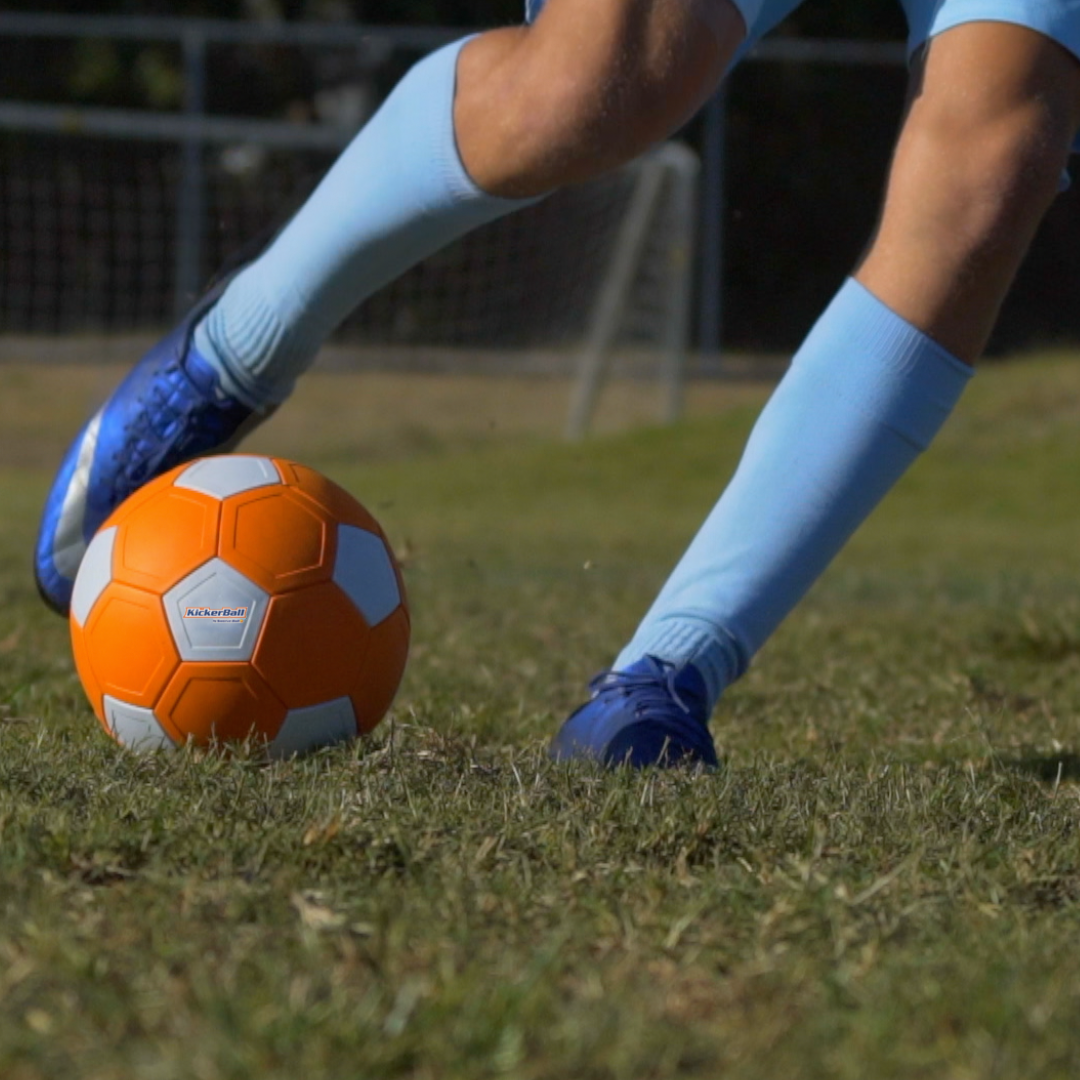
(883, 881)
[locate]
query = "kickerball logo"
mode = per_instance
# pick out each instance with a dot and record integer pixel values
(216, 614)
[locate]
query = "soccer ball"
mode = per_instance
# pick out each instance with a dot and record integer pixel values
(239, 597)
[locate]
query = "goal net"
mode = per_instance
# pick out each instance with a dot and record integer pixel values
(594, 276)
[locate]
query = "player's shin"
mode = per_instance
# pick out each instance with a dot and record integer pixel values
(864, 395)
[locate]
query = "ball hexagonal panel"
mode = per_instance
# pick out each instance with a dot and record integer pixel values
(316, 726)
(94, 574)
(364, 572)
(376, 681)
(128, 647)
(228, 474)
(138, 729)
(219, 703)
(163, 539)
(334, 499)
(312, 645)
(277, 538)
(215, 613)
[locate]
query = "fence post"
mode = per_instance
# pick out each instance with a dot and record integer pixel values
(190, 196)
(711, 309)
(610, 306)
(685, 166)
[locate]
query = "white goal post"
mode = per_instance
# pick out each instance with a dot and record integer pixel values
(656, 235)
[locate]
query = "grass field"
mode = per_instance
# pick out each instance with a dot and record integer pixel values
(883, 881)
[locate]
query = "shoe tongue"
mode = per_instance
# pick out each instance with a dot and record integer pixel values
(688, 682)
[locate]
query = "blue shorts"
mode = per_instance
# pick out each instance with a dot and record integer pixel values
(1057, 19)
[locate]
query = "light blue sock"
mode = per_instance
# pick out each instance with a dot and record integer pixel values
(398, 193)
(864, 395)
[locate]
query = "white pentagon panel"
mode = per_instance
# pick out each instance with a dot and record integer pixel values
(215, 613)
(364, 571)
(94, 574)
(317, 725)
(228, 474)
(136, 728)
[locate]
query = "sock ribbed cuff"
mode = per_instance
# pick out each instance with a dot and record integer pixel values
(689, 641)
(247, 341)
(901, 377)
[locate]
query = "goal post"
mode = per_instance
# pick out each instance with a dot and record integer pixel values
(670, 173)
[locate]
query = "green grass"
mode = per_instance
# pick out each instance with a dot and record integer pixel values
(883, 881)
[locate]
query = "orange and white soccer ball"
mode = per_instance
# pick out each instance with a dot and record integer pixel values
(239, 597)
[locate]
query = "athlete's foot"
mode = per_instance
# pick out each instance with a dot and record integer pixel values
(652, 713)
(169, 409)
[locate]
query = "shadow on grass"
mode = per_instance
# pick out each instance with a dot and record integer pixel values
(1047, 639)
(1051, 768)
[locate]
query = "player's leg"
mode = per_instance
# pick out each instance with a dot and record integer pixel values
(473, 132)
(993, 110)
(999, 105)
(469, 133)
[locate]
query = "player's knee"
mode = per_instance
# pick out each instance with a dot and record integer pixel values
(999, 169)
(586, 121)
(567, 114)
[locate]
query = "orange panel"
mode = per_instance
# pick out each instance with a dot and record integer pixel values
(378, 679)
(128, 645)
(312, 645)
(278, 539)
(338, 503)
(86, 672)
(165, 537)
(208, 702)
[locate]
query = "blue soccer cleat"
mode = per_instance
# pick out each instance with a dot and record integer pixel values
(653, 713)
(169, 409)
